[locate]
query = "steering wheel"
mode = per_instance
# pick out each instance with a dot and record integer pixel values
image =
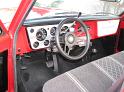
(69, 38)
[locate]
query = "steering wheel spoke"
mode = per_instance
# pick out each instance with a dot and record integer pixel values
(67, 50)
(81, 41)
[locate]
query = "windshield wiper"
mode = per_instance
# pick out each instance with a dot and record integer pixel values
(66, 13)
(69, 13)
(105, 13)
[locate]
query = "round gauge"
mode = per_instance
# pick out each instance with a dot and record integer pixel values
(41, 34)
(65, 28)
(46, 42)
(36, 44)
(52, 31)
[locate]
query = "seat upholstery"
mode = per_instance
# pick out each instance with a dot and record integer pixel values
(96, 76)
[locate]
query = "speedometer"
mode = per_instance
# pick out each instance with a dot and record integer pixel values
(41, 34)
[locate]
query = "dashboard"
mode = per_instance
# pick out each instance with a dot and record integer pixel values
(41, 32)
(38, 33)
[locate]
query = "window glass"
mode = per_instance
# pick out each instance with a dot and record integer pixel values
(7, 10)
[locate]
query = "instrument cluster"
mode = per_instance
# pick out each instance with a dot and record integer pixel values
(41, 36)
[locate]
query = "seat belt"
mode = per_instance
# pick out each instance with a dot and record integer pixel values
(117, 86)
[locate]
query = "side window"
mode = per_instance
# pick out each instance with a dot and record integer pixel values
(7, 10)
(114, 7)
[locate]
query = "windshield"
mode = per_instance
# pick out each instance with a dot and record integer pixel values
(73, 7)
(59, 8)
(84, 6)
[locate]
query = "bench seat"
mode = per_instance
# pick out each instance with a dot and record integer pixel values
(97, 76)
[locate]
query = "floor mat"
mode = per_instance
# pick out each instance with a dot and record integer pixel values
(35, 75)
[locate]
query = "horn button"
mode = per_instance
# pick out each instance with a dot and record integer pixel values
(70, 39)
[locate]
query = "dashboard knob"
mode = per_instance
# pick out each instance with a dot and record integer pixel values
(32, 30)
(46, 42)
(36, 44)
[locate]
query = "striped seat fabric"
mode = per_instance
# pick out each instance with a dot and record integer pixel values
(97, 76)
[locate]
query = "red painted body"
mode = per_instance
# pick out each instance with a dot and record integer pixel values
(13, 26)
(41, 11)
(6, 40)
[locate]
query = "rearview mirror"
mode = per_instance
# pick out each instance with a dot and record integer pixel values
(111, 0)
